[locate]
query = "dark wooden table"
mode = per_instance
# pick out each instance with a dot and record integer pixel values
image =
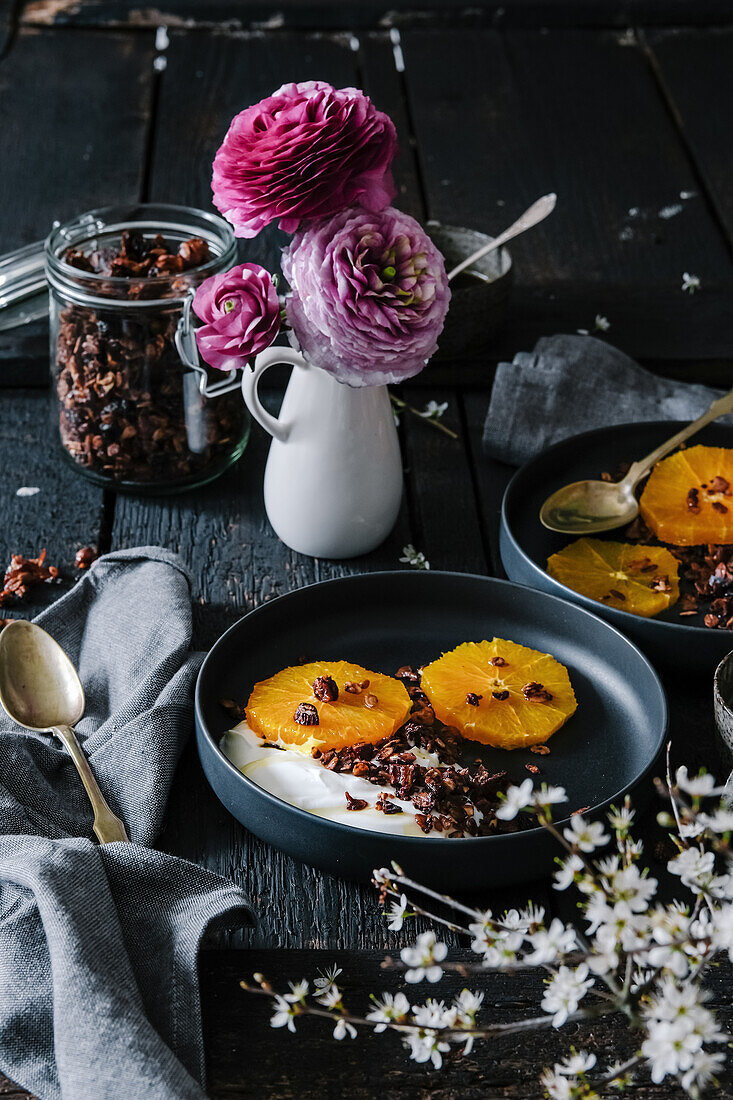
(495, 106)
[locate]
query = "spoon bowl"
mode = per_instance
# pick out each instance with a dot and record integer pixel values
(39, 687)
(588, 507)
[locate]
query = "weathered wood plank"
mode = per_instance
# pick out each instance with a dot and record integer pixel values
(695, 71)
(65, 514)
(74, 112)
(621, 236)
(244, 14)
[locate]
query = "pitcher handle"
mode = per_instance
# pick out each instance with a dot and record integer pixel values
(250, 382)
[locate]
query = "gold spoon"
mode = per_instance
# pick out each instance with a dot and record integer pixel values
(585, 507)
(39, 689)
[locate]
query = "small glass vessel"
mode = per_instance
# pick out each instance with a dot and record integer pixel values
(129, 413)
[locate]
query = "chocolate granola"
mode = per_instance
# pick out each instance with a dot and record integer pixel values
(129, 411)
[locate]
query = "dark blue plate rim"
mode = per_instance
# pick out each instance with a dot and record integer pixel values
(349, 830)
(561, 590)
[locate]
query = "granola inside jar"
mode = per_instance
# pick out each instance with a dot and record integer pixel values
(129, 413)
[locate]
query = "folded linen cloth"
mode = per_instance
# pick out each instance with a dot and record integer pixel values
(570, 384)
(99, 992)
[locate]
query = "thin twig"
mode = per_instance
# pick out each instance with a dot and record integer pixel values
(405, 407)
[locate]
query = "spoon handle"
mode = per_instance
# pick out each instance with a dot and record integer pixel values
(536, 213)
(720, 407)
(107, 826)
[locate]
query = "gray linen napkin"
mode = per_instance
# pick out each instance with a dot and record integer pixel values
(570, 384)
(99, 992)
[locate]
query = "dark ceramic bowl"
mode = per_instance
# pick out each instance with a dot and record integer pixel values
(478, 295)
(384, 620)
(723, 704)
(526, 544)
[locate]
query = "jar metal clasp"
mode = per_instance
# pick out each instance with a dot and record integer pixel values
(189, 353)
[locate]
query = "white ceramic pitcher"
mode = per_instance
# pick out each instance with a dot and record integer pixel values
(333, 481)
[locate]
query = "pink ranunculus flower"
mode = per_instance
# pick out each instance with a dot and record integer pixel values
(304, 152)
(369, 295)
(241, 315)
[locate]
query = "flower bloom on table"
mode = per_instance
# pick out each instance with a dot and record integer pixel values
(241, 315)
(306, 151)
(369, 296)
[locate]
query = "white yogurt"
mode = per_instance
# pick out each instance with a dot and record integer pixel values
(300, 780)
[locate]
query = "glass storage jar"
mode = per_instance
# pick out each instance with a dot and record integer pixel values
(129, 414)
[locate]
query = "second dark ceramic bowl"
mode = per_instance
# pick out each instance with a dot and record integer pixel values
(526, 544)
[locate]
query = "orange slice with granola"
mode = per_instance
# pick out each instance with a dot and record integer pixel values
(688, 499)
(639, 579)
(327, 704)
(500, 693)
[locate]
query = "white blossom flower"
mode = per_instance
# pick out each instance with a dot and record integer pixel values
(580, 1061)
(326, 979)
(391, 1009)
(690, 283)
(424, 1046)
(550, 943)
(514, 926)
(483, 933)
(549, 796)
(569, 868)
(433, 410)
(413, 557)
(433, 1014)
(396, 913)
(298, 992)
(423, 959)
(516, 799)
(344, 1028)
(634, 888)
(690, 830)
(723, 929)
(565, 991)
(602, 323)
(284, 1014)
(330, 997)
(694, 867)
(586, 835)
(721, 821)
(604, 959)
(621, 818)
(467, 1004)
(705, 1064)
(557, 1086)
(699, 786)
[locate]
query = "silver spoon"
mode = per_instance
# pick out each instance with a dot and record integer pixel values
(536, 213)
(39, 689)
(586, 507)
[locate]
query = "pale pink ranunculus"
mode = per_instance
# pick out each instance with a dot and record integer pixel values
(303, 153)
(369, 295)
(241, 314)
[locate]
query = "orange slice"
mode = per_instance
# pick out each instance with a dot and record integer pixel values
(688, 499)
(352, 718)
(638, 579)
(500, 693)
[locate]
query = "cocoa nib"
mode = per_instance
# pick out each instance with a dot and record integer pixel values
(720, 485)
(24, 573)
(85, 557)
(355, 803)
(306, 715)
(536, 692)
(693, 502)
(473, 699)
(325, 689)
(498, 662)
(500, 695)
